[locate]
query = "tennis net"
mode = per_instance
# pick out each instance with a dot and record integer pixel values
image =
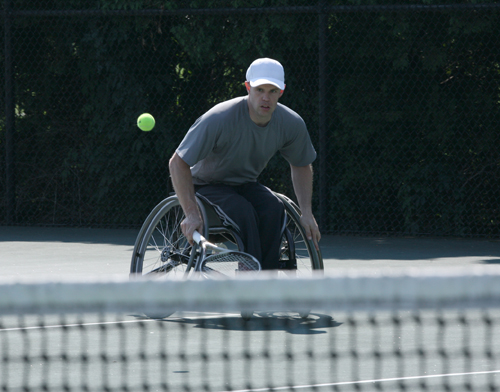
(411, 330)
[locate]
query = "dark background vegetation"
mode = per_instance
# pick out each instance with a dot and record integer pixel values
(401, 99)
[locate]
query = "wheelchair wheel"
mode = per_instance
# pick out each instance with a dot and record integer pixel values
(161, 250)
(298, 256)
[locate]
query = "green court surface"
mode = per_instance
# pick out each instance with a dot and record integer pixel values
(38, 251)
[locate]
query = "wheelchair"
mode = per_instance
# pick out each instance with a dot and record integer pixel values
(162, 251)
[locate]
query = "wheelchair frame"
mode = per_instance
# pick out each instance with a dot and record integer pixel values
(162, 249)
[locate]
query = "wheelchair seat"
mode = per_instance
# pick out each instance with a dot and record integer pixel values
(218, 224)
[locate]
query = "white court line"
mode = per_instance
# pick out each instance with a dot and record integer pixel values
(266, 389)
(100, 323)
(364, 381)
(74, 325)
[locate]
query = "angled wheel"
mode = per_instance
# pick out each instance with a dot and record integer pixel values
(298, 255)
(161, 251)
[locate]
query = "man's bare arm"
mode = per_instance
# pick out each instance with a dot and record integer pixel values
(302, 178)
(182, 180)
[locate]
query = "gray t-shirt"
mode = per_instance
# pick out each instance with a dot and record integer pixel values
(226, 146)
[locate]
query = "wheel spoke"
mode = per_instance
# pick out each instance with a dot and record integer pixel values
(165, 252)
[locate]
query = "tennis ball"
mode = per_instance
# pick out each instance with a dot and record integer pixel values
(146, 122)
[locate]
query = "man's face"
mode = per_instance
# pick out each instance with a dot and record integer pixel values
(262, 101)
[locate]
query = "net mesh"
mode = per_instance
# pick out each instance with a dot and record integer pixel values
(411, 331)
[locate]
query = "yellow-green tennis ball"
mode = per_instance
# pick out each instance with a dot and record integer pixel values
(146, 122)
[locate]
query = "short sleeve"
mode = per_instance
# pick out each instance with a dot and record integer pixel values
(298, 149)
(198, 142)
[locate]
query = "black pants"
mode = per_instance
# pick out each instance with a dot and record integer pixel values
(258, 213)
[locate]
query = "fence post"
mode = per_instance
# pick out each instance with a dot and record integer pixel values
(323, 207)
(10, 193)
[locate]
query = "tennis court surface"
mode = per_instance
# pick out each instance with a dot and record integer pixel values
(389, 314)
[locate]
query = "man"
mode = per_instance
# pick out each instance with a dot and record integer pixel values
(225, 151)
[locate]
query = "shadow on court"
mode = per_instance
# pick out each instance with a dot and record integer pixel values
(315, 323)
(68, 235)
(492, 261)
(352, 251)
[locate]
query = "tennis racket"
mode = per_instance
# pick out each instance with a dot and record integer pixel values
(221, 262)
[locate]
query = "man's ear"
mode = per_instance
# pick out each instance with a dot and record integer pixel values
(247, 85)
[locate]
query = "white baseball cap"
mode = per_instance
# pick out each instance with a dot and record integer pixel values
(266, 71)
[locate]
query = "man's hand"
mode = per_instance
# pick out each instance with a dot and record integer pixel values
(190, 224)
(312, 230)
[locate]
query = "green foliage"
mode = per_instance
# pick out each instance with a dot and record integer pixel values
(81, 83)
(416, 100)
(412, 107)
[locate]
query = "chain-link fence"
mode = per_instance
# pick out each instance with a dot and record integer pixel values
(402, 102)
